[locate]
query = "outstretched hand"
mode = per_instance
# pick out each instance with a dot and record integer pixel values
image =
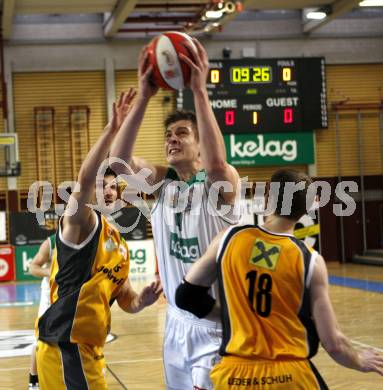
(372, 361)
(121, 109)
(150, 294)
(146, 88)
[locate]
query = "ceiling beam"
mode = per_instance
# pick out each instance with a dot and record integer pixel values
(118, 16)
(338, 8)
(7, 17)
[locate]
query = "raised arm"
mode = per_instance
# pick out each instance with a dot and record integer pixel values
(212, 145)
(42, 257)
(123, 144)
(79, 219)
(337, 345)
(204, 271)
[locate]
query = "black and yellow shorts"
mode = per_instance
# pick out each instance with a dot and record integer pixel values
(67, 366)
(240, 374)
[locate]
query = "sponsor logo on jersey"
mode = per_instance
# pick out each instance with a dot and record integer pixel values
(110, 245)
(184, 249)
(111, 273)
(265, 255)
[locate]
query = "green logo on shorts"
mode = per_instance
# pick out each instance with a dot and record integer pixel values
(184, 249)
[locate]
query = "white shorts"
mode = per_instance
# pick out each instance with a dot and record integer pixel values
(190, 351)
(45, 299)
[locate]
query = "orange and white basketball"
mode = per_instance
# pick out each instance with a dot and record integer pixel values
(169, 72)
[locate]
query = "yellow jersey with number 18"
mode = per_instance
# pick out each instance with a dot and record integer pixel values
(264, 292)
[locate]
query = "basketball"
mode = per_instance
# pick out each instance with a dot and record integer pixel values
(169, 72)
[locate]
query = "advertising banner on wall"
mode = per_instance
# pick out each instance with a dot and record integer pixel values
(131, 217)
(25, 229)
(247, 212)
(142, 258)
(306, 229)
(7, 263)
(24, 256)
(3, 226)
(270, 149)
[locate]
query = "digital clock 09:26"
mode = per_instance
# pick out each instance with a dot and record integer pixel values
(250, 74)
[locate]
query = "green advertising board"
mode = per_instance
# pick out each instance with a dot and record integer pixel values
(270, 149)
(24, 255)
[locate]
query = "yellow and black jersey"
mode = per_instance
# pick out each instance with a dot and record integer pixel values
(264, 292)
(85, 280)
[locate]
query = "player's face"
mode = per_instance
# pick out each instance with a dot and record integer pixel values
(181, 144)
(110, 189)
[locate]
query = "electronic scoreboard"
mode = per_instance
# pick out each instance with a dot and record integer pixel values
(253, 95)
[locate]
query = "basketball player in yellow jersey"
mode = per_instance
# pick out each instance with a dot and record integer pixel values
(274, 303)
(89, 272)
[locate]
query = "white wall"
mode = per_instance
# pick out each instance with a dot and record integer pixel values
(92, 56)
(76, 46)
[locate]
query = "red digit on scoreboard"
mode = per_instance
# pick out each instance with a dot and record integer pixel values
(229, 118)
(288, 115)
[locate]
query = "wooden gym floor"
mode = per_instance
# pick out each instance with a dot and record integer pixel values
(135, 357)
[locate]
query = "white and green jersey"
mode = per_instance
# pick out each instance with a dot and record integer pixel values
(45, 282)
(45, 299)
(184, 222)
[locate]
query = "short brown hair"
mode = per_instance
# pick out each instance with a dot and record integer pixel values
(180, 115)
(110, 172)
(298, 204)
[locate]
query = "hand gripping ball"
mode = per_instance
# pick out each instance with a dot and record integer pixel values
(169, 72)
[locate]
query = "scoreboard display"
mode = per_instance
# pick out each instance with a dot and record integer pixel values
(253, 95)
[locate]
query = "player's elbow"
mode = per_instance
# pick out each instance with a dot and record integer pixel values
(32, 270)
(194, 299)
(182, 297)
(126, 304)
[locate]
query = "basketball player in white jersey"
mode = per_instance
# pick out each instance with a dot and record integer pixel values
(196, 156)
(40, 267)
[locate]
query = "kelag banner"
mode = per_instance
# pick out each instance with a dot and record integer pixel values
(270, 149)
(142, 258)
(24, 256)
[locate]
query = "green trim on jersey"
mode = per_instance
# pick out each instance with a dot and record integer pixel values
(52, 241)
(197, 178)
(171, 174)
